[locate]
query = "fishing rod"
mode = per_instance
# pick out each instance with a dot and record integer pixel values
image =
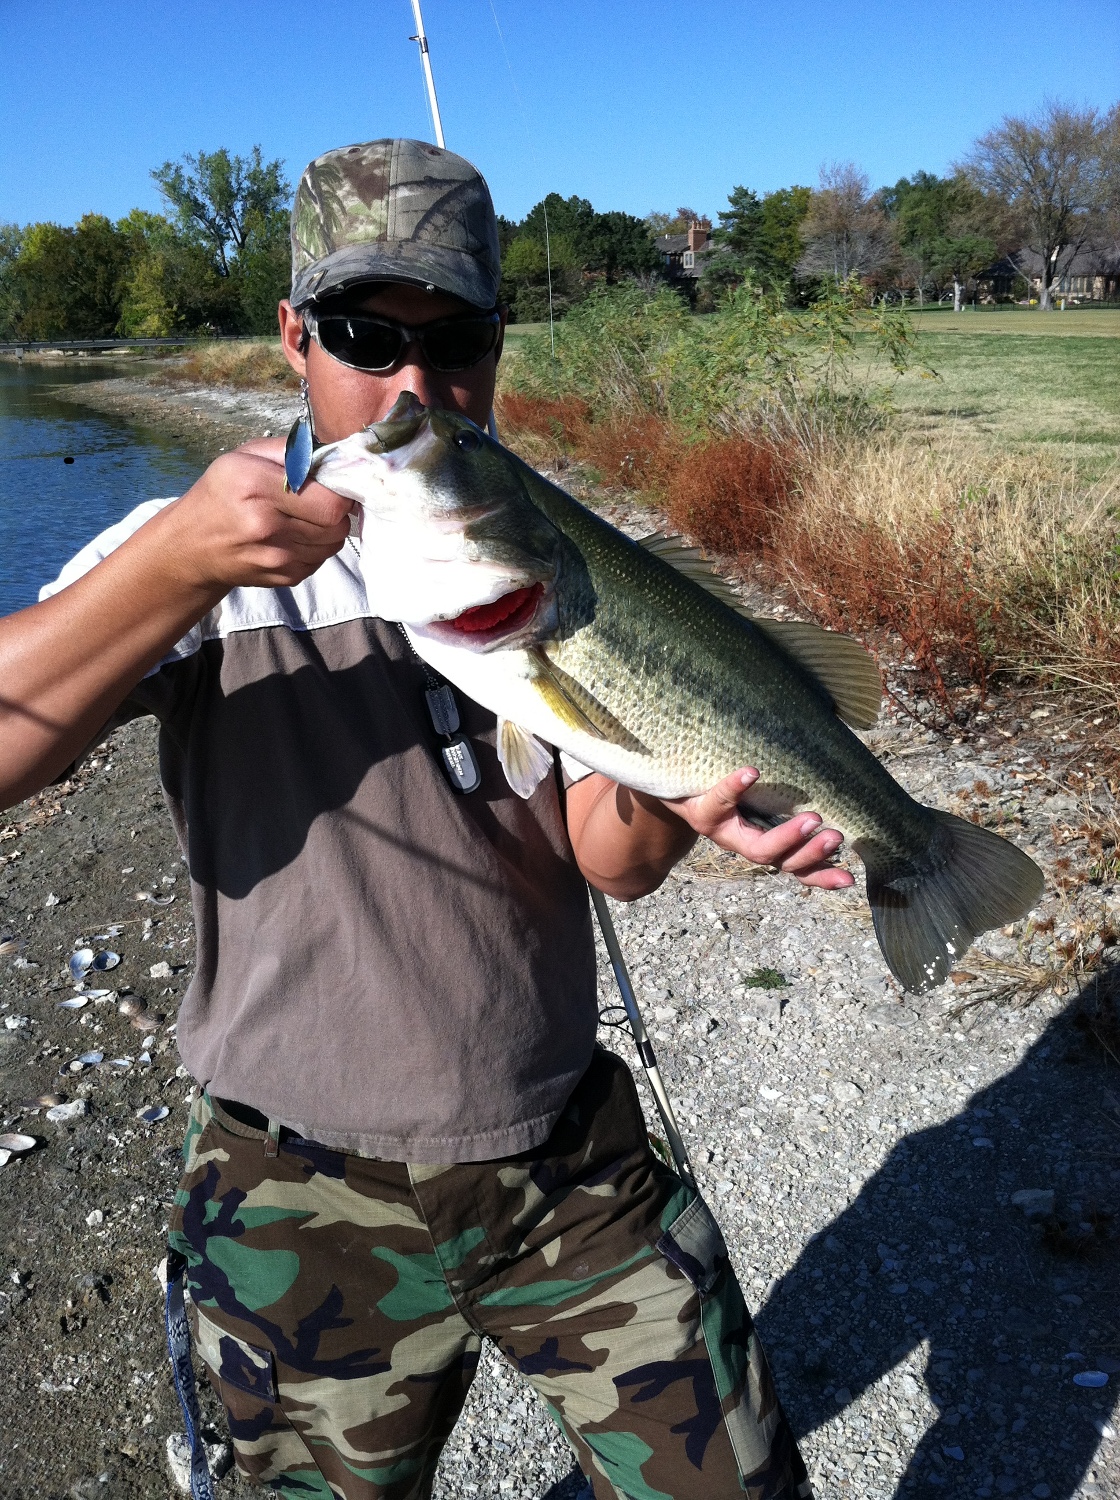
(598, 900)
(421, 40)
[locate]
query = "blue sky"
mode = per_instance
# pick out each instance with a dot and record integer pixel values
(637, 106)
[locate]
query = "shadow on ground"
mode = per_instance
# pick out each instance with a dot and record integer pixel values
(933, 1249)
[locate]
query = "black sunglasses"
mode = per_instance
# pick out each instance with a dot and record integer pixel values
(365, 342)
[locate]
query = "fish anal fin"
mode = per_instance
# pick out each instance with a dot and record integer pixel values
(523, 758)
(575, 707)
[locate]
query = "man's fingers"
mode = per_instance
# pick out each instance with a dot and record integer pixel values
(316, 504)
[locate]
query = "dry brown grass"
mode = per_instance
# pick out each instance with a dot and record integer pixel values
(246, 364)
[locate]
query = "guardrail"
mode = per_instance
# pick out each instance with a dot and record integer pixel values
(41, 346)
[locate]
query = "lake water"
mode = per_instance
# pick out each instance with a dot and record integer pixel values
(50, 508)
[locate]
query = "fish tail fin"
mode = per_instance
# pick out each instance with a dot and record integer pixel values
(928, 907)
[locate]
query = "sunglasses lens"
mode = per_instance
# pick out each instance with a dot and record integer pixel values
(459, 345)
(369, 344)
(361, 343)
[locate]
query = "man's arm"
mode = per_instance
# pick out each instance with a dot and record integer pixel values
(626, 842)
(67, 664)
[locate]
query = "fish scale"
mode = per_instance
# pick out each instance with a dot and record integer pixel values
(636, 667)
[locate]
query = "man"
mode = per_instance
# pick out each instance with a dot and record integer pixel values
(405, 1139)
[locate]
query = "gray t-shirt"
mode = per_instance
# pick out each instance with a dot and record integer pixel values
(383, 964)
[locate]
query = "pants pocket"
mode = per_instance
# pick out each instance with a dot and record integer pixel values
(232, 1361)
(696, 1247)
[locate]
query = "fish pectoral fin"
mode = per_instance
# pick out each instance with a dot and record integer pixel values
(845, 670)
(524, 759)
(578, 709)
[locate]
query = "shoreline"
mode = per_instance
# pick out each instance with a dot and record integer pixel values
(212, 418)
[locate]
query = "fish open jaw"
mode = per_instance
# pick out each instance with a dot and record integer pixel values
(502, 617)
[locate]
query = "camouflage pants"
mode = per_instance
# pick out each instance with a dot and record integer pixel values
(339, 1305)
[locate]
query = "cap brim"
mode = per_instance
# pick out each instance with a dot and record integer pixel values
(407, 261)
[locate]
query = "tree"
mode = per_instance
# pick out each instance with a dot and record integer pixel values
(1051, 170)
(758, 238)
(845, 232)
(946, 227)
(11, 244)
(584, 246)
(220, 198)
(173, 284)
(69, 282)
(659, 223)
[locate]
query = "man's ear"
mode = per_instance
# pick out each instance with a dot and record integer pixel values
(291, 337)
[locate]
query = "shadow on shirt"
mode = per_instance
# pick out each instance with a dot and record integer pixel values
(932, 1251)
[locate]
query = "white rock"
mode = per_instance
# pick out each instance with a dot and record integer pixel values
(845, 1091)
(94, 1218)
(219, 1457)
(59, 1114)
(162, 970)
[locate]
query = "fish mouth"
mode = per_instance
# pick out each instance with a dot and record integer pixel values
(503, 617)
(485, 626)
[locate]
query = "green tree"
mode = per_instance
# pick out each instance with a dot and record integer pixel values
(758, 239)
(525, 277)
(947, 229)
(221, 199)
(11, 244)
(173, 285)
(608, 244)
(70, 282)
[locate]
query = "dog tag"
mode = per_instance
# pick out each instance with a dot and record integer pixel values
(442, 709)
(460, 764)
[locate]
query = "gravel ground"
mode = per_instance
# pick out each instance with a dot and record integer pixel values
(864, 1152)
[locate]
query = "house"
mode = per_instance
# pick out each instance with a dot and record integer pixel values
(684, 254)
(1092, 275)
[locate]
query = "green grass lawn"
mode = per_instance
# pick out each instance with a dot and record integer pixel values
(1020, 380)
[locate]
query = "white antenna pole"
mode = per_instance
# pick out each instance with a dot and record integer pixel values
(421, 38)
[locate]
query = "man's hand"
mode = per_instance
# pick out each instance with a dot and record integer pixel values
(238, 526)
(800, 846)
(626, 842)
(67, 664)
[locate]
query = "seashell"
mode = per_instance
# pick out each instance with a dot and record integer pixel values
(61, 1114)
(15, 1144)
(42, 1101)
(80, 963)
(106, 960)
(1093, 1379)
(96, 994)
(91, 1059)
(145, 1059)
(110, 932)
(5, 1157)
(74, 1003)
(152, 1116)
(10, 944)
(120, 1062)
(132, 1005)
(142, 1021)
(154, 900)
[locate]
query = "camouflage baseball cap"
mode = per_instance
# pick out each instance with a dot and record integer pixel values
(394, 211)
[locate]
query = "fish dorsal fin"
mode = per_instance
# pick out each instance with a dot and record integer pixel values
(692, 562)
(845, 670)
(838, 662)
(524, 759)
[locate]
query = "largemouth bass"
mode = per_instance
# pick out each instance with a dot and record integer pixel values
(628, 657)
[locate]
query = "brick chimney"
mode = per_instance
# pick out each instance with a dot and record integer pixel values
(698, 234)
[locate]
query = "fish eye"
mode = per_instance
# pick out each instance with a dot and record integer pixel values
(467, 440)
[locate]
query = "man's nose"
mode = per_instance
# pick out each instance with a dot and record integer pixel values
(413, 374)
